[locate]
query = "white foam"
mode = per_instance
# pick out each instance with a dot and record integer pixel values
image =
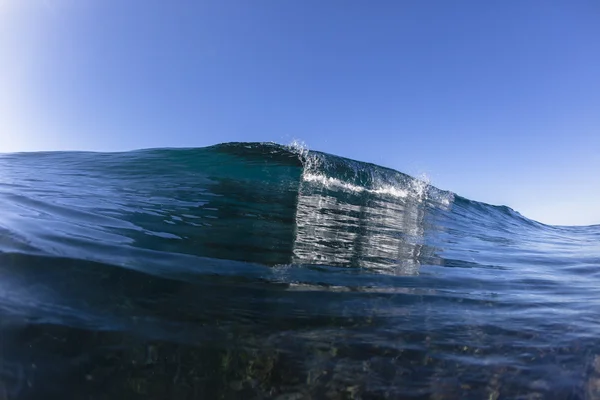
(329, 182)
(298, 147)
(418, 188)
(332, 182)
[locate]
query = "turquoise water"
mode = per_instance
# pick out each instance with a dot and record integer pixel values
(251, 270)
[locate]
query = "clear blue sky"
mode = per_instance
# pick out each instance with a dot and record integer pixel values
(498, 101)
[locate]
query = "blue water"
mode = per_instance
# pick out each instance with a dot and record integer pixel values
(251, 270)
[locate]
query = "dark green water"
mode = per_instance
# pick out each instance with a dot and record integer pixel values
(258, 271)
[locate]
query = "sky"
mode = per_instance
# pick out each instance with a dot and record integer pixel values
(497, 101)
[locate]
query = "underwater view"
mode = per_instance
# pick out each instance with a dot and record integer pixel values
(263, 271)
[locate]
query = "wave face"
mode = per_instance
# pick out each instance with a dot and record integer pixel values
(254, 270)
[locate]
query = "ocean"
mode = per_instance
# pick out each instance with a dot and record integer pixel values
(262, 271)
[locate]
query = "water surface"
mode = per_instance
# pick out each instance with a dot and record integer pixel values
(253, 270)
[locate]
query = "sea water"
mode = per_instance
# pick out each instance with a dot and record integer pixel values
(254, 270)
